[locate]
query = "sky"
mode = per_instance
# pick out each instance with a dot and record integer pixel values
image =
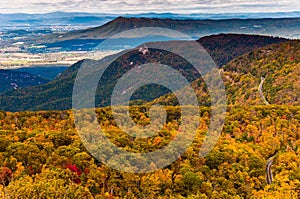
(144, 6)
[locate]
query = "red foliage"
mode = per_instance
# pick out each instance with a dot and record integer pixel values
(77, 180)
(86, 170)
(5, 175)
(30, 170)
(75, 169)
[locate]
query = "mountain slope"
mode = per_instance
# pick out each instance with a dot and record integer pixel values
(57, 94)
(43, 71)
(278, 65)
(16, 80)
(224, 47)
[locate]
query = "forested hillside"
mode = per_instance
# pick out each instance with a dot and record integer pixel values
(129, 126)
(41, 156)
(12, 80)
(278, 64)
(225, 47)
(57, 94)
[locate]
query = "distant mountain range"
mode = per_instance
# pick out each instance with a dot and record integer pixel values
(41, 21)
(57, 94)
(62, 37)
(281, 27)
(97, 19)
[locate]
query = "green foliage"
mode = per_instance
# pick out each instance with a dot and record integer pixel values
(279, 64)
(57, 94)
(10, 80)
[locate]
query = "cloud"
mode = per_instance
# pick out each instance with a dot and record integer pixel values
(142, 6)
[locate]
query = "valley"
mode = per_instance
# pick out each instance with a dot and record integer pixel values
(12, 60)
(57, 94)
(50, 148)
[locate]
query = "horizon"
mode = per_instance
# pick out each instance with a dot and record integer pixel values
(157, 13)
(139, 7)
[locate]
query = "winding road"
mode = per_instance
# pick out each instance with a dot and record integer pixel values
(260, 90)
(269, 171)
(270, 160)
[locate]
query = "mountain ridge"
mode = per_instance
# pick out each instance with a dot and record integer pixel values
(10, 80)
(57, 94)
(287, 28)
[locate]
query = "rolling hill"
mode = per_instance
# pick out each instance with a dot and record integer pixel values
(12, 80)
(273, 70)
(224, 47)
(279, 65)
(57, 93)
(45, 72)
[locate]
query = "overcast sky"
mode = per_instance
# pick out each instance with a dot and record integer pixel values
(143, 6)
